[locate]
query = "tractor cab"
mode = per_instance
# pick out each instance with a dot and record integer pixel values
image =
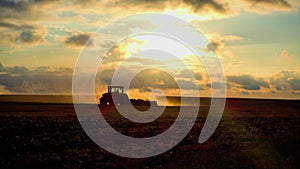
(115, 96)
(115, 89)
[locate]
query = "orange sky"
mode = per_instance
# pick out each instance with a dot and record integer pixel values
(257, 42)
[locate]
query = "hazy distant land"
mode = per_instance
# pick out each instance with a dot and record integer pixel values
(171, 100)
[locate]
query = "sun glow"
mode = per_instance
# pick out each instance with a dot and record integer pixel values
(129, 48)
(155, 47)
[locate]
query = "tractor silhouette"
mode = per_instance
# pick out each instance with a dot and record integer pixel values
(115, 96)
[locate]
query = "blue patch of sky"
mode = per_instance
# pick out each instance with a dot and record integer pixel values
(255, 28)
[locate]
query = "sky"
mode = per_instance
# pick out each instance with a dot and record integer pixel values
(257, 42)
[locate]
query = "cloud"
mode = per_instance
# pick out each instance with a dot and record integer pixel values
(31, 37)
(27, 10)
(285, 84)
(217, 44)
(9, 25)
(10, 82)
(21, 20)
(294, 83)
(199, 6)
(286, 81)
(8, 38)
(148, 61)
(46, 80)
(41, 80)
(230, 38)
(146, 80)
(248, 82)
(244, 93)
(216, 85)
(284, 57)
(16, 70)
(12, 34)
(206, 9)
(1, 67)
(216, 8)
(105, 76)
(78, 40)
(30, 11)
(267, 6)
(157, 79)
(150, 78)
(186, 73)
(186, 84)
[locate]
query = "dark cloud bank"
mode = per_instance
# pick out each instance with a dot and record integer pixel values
(19, 79)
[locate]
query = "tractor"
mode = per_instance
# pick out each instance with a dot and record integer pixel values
(115, 96)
